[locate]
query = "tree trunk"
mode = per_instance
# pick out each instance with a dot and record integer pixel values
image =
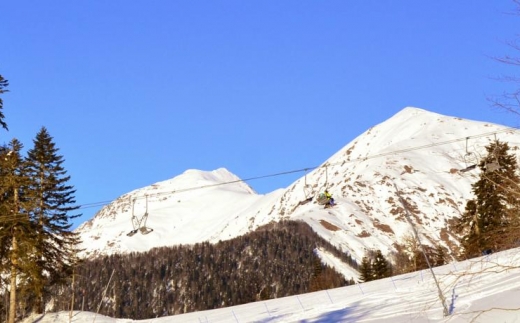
(14, 264)
(12, 300)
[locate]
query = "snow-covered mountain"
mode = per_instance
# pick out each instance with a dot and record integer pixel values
(417, 152)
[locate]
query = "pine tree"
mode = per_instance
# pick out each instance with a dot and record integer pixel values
(487, 221)
(16, 230)
(439, 256)
(366, 273)
(380, 266)
(3, 84)
(55, 252)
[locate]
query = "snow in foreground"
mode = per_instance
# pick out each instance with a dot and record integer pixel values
(484, 289)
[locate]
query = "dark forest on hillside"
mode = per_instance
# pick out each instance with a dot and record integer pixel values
(274, 261)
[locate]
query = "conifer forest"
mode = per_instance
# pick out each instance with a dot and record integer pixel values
(274, 261)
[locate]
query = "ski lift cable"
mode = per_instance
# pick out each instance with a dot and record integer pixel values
(394, 152)
(314, 167)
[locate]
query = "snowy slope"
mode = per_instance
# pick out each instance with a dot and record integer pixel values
(416, 151)
(193, 207)
(479, 290)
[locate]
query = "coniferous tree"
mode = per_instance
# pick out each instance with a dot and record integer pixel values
(490, 220)
(380, 266)
(3, 84)
(469, 227)
(366, 273)
(5, 236)
(16, 230)
(55, 252)
(439, 256)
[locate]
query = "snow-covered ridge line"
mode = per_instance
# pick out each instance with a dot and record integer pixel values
(362, 177)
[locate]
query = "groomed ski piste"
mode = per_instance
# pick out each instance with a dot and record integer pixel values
(484, 289)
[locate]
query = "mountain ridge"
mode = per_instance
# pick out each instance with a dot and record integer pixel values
(416, 152)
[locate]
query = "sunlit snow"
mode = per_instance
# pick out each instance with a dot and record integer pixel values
(416, 151)
(483, 289)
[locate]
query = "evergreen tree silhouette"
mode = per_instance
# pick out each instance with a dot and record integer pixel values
(3, 84)
(380, 266)
(366, 273)
(55, 253)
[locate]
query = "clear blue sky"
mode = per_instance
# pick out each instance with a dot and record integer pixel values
(136, 92)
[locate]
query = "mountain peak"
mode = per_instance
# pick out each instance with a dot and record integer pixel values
(217, 175)
(175, 211)
(415, 150)
(194, 179)
(414, 111)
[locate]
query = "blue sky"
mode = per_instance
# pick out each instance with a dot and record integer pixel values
(136, 92)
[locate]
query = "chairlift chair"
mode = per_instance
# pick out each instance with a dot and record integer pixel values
(307, 191)
(131, 233)
(469, 164)
(322, 199)
(145, 230)
(139, 224)
(470, 160)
